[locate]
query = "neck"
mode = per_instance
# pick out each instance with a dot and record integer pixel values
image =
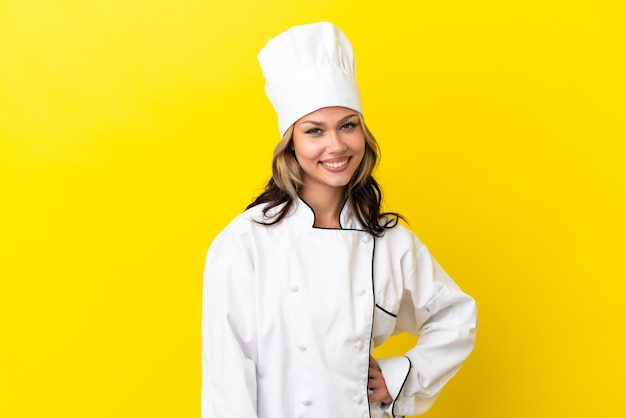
(326, 205)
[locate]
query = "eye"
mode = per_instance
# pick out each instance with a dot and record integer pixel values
(348, 126)
(314, 131)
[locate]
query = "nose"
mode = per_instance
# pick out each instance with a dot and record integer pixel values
(336, 144)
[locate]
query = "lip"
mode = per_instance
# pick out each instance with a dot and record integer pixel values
(338, 169)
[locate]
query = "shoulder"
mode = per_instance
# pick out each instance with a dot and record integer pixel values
(243, 223)
(400, 238)
(403, 250)
(234, 233)
(244, 227)
(397, 233)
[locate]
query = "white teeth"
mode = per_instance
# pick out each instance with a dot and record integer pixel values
(337, 164)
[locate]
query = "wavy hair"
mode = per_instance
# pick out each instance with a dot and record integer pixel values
(363, 192)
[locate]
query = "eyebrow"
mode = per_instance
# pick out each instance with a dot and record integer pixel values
(316, 123)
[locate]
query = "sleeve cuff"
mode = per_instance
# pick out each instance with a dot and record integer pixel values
(395, 372)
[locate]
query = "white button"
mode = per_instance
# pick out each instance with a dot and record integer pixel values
(293, 288)
(358, 345)
(360, 292)
(366, 238)
(358, 400)
(301, 347)
(306, 402)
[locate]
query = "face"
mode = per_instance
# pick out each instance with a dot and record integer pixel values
(329, 145)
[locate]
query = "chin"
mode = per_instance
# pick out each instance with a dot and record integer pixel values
(340, 183)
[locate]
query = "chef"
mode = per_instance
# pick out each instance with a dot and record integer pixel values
(303, 285)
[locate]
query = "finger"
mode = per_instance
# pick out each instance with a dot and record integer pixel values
(379, 396)
(376, 384)
(374, 363)
(373, 397)
(375, 374)
(373, 384)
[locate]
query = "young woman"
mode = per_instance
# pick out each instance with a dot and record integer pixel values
(301, 287)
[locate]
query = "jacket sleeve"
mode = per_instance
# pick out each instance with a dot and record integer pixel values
(444, 319)
(228, 331)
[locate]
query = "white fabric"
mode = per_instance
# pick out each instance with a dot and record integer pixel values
(292, 312)
(307, 68)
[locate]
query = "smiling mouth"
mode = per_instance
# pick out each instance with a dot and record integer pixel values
(335, 164)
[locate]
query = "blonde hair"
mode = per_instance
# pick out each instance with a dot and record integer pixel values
(363, 192)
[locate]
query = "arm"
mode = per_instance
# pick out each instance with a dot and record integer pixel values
(435, 309)
(228, 332)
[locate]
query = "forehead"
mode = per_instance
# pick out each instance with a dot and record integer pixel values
(328, 115)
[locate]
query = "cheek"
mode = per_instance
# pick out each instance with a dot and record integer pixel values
(360, 148)
(307, 150)
(358, 145)
(298, 148)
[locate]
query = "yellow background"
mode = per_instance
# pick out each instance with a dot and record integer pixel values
(132, 131)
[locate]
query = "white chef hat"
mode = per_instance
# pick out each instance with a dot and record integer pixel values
(307, 68)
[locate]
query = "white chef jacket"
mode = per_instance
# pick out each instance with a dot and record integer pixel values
(291, 313)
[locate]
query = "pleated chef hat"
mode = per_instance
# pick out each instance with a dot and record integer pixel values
(307, 68)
